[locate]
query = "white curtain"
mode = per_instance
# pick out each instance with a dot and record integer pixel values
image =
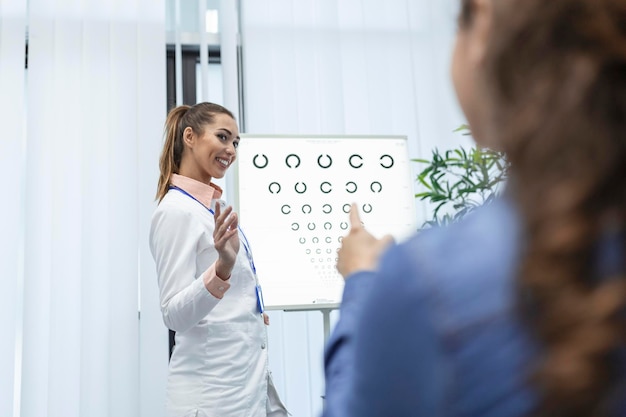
(80, 182)
(351, 67)
(12, 56)
(360, 67)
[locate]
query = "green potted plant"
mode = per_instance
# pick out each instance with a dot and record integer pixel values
(458, 180)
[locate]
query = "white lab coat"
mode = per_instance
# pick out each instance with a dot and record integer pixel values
(219, 367)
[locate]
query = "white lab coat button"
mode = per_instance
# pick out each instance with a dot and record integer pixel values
(263, 346)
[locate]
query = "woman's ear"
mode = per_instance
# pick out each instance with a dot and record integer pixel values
(188, 136)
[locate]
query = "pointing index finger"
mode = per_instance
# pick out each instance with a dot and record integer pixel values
(355, 219)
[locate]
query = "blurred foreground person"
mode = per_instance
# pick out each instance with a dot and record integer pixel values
(519, 309)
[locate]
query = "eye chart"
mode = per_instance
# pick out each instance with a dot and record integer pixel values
(294, 196)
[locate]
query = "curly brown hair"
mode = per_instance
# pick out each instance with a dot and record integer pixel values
(556, 71)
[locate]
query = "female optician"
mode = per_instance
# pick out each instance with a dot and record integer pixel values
(208, 287)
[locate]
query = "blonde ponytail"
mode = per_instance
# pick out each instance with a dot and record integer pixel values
(169, 163)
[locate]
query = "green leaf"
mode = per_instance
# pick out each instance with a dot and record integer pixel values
(462, 128)
(423, 195)
(438, 207)
(424, 183)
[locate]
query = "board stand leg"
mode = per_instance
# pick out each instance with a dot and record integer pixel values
(326, 318)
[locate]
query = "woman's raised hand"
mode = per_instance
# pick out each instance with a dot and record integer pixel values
(226, 240)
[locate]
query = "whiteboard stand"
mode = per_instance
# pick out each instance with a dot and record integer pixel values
(324, 308)
(306, 184)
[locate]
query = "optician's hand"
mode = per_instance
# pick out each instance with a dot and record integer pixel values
(226, 240)
(360, 250)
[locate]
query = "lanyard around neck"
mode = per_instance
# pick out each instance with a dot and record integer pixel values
(246, 244)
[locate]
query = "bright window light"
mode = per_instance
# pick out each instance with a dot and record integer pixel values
(212, 21)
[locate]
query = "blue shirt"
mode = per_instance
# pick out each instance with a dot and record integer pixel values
(435, 331)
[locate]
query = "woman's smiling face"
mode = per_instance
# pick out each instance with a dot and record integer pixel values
(209, 154)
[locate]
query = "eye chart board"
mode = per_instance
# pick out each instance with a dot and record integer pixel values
(294, 196)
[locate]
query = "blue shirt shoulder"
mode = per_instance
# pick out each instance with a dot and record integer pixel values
(437, 333)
